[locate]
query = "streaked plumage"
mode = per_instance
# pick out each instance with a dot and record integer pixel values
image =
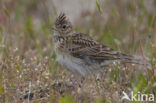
(81, 54)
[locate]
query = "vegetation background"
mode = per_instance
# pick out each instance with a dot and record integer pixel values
(29, 72)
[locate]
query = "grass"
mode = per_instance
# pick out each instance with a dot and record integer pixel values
(28, 68)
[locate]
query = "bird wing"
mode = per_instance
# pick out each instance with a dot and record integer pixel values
(80, 45)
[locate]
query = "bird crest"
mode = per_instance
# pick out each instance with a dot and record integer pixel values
(60, 19)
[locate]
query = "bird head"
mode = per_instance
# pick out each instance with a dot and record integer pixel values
(62, 25)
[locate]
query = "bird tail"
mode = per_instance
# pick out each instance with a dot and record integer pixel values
(133, 60)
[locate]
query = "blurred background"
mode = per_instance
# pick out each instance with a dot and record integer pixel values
(26, 49)
(25, 25)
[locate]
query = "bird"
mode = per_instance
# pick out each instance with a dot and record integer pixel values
(80, 53)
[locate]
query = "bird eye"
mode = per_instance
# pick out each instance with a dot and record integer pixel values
(64, 26)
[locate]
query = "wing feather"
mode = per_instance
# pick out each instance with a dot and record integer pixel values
(79, 45)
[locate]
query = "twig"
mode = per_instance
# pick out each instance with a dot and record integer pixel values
(29, 92)
(142, 53)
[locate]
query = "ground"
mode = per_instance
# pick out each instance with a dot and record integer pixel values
(30, 73)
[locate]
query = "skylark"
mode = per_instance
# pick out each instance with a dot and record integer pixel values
(81, 54)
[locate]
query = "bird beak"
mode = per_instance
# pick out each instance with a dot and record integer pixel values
(53, 28)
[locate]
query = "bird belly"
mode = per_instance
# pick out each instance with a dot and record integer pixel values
(72, 64)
